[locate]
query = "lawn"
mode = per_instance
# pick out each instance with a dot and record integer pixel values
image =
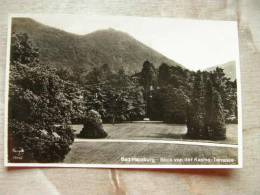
(157, 131)
(105, 152)
(112, 152)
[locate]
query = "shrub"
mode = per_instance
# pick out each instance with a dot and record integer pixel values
(93, 127)
(40, 143)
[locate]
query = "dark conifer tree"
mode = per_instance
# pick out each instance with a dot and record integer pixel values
(164, 76)
(217, 122)
(149, 82)
(208, 107)
(196, 112)
(148, 75)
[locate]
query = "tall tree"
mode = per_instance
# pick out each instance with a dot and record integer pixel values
(174, 105)
(38, 98)
(208, 106)
(149, 82)
(196, 111)
(217, 122)
(148, 75)
(164, 76)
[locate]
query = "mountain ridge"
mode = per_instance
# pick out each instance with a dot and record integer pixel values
(229, 69)
(105, 46)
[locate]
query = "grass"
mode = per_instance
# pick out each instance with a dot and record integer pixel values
(112, 152)
(157, 131)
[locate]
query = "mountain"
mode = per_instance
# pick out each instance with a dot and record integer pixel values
(109, 46)
(229, 69)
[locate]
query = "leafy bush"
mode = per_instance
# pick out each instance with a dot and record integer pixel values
(40, 143)
(38, 99)
(37, 93)
(93, 127)
(43, 96)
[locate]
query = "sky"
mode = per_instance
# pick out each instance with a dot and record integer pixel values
(196, 44)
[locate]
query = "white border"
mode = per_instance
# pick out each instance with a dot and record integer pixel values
(135, 166)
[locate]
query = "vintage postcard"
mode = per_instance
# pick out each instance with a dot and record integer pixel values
(122, 92)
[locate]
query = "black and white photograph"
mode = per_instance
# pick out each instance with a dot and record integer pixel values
(122, 92)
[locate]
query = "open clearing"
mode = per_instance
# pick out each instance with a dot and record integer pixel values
(110, 151)
(157, 131)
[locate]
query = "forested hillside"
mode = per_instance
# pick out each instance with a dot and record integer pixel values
(229, 69)
(81, 53)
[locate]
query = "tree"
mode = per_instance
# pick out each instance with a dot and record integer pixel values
(164, 76)
(227, 90)
(117, 97)
(206, 117)
(170, 105)
(196, 112)
(148, 75)
(124, 98)
(38, 99)
(44, 97)
(157, 105)
(217, 122)
(149, 82)
(208, 106)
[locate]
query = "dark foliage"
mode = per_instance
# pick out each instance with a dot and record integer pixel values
(93, 126)
(38, 91)
(170, 105)
(115, 95)
(148, 79)
(197, 111)
(206, 117)
(148, 76)
(170, 100)
(217, 129)
(38, 99)
(40, 143)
